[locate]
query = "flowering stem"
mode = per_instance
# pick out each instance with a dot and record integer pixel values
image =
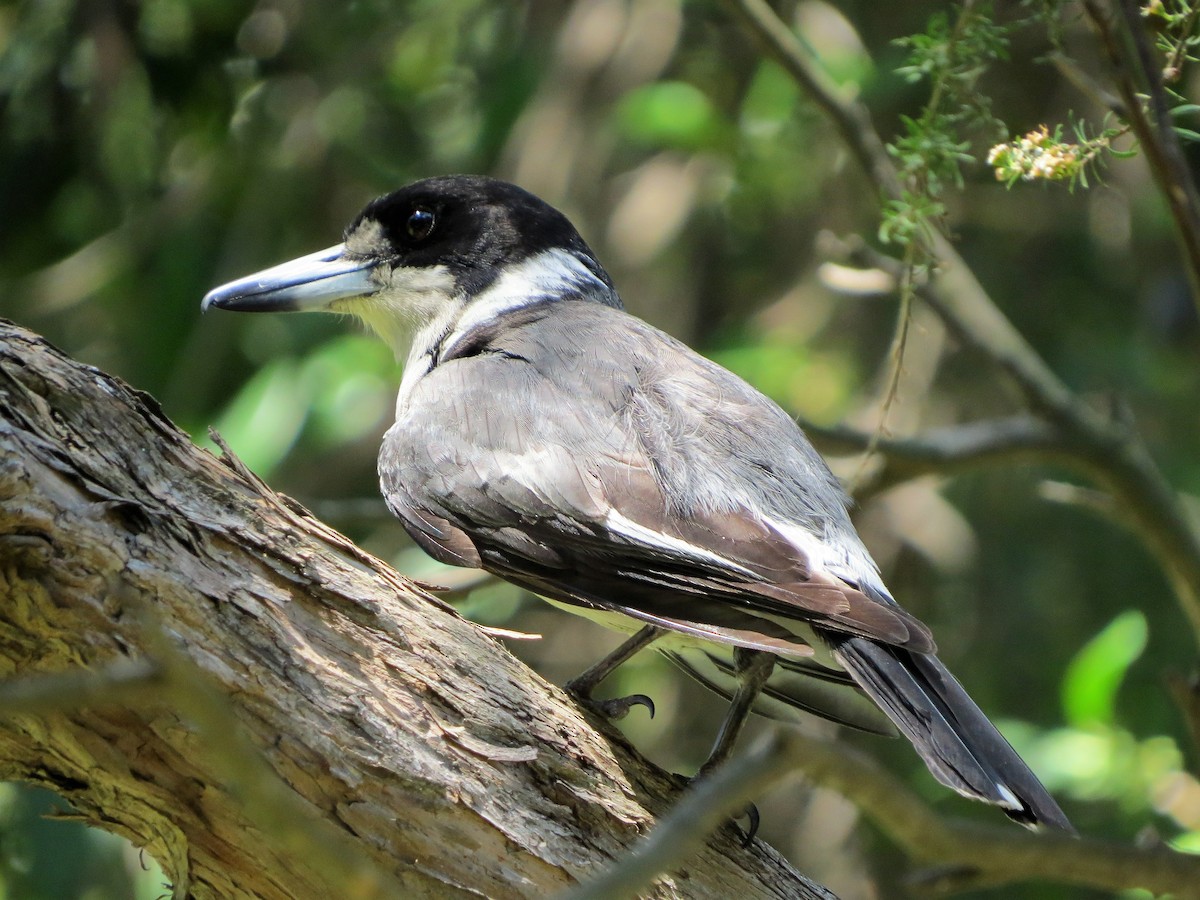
(1157, 139)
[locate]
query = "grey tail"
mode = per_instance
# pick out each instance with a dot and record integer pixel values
(962, 749)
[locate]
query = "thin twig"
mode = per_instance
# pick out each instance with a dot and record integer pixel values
(895, 367)
(984, 855)
(124, 682)
(711, 803)
(268, 803)
(1157, 138)
(953, 448)
(941, 451)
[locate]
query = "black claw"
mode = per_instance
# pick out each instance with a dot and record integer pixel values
(619, 707)
(751, 813)
(643, 700)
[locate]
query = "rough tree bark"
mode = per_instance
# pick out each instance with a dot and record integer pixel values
(173, 623)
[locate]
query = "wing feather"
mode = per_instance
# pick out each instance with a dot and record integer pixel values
(627, 503)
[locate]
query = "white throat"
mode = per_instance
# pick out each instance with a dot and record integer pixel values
(409, 301)
(422, 315)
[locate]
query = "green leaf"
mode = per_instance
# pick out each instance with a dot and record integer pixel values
(1187, 134)
(266, 416)
(1090, 686)
(352, 383)
(669, 114)
(1188, 842)
(769, 102)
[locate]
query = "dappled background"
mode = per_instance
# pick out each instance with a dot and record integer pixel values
(151, 151)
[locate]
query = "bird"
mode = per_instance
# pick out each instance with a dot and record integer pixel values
(551, 438)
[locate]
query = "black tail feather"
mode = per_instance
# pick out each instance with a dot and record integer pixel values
(962, 749)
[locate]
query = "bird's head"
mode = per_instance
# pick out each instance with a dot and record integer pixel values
(431, 258)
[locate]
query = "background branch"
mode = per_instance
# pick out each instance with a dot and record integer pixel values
(1134, 69)
(1112, 454)
(961, 855)
(975, 855)
(942, 451)
(1104, 449)
(710, 804)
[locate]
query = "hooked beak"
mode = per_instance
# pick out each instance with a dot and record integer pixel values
(310, 283)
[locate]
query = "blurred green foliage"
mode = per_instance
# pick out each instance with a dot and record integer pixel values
(1094, 676)
(669, 115)
(44, 858)
(152, 150)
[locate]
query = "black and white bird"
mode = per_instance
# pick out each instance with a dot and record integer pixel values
(544, 434)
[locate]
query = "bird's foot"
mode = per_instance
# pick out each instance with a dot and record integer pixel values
(749, 813)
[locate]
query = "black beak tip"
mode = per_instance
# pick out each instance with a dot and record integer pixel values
(239, 301)
(221, 298)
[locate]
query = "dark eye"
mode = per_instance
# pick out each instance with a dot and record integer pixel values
(420, 224)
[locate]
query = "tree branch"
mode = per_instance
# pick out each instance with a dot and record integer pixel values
(1110, 453)
(942, 451)
(264, 699)
(971, 855)
(1100, 448)
(963, 855)
(1155, 132)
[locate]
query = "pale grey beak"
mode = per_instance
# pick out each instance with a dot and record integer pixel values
(311, 282)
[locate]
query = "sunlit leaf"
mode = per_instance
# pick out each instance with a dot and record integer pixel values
(1093, 678)
(1188, 842)
(769, 102)
(352, 381)
(668, 114)
(266, 416)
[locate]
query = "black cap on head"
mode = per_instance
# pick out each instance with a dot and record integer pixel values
(472, 225)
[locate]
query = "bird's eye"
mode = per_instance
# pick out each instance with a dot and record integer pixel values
(420, 224)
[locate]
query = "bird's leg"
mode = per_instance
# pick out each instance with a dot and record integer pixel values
(583, 685)
(753, 668)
